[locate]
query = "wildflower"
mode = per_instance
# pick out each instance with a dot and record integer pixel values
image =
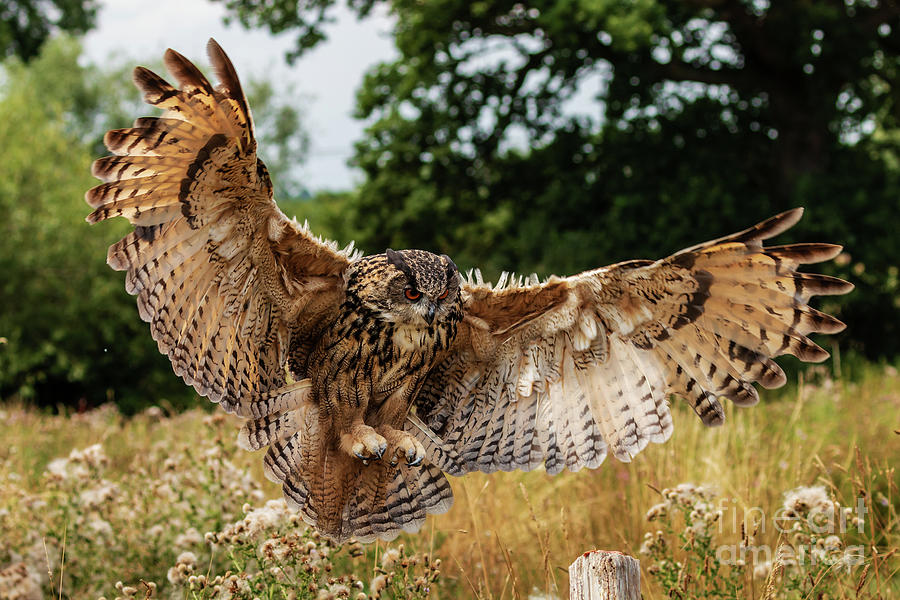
(389, 558)
(688, 494)
(851, 557)
(154, 413)
(832, 543)
(653, 543)
(100, 527)
(18, 582)
(379, 583)
(268, 517)
(184, 567)
(762, 570)
(698, 528)
(102, 494)
(803, 500)
(62, 468)
(268, 548)
(657, 511)
(187, 558)
(188, 539)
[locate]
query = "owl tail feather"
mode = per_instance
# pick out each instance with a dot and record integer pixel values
(336, 493)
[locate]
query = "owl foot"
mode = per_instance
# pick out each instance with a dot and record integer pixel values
(402, 446)
(364, 443)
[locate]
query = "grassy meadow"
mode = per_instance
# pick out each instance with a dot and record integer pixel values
(96, 505)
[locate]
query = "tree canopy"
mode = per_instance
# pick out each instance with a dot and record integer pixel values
(26, 24)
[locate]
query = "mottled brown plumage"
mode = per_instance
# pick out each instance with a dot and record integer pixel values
(369, 377)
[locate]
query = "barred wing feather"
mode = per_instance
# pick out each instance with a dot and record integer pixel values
(228, 284)
(562, 372)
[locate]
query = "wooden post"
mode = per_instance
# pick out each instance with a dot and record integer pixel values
(602, 575)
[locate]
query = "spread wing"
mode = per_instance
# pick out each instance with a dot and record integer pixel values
(228, 284)
(564, 371)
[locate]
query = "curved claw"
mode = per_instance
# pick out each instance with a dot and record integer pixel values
(413, 458)
(363, 458)
(380, 450)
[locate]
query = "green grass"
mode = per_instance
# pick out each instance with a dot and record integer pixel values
(169, 481)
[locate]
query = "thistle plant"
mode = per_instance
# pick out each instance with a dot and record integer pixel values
(682, 551)
(177, 521)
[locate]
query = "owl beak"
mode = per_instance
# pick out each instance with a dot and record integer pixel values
(429, 313)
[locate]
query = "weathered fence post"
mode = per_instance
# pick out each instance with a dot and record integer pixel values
(601, 575)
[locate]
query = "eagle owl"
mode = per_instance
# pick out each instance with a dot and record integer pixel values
(368, 378)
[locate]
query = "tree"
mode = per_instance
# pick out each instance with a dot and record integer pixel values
(708, 114)
(26, 24)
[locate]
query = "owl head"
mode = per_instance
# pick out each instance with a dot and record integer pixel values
(409, 287)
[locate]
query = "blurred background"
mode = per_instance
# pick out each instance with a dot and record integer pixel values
(549, 137)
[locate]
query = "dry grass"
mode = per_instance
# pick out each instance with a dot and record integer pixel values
(512, 535)
(807, 434)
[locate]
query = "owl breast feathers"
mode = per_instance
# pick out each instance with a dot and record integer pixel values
(370, 378)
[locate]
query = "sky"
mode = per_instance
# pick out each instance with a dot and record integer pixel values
(325, 78)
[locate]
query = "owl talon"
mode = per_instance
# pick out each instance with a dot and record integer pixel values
(413, 458)
(403, 447)
(364, 443)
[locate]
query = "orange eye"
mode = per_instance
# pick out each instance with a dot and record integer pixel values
(413, 294)
(444, 294)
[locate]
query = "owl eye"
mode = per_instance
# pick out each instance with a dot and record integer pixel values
(412, 294)
(444, 294)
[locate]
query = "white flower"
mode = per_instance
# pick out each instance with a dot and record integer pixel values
(93, 456)
(389, 558)
(270, 516)
(853, 556)
(100, 527)
(59, 467)
(688, 494)
(699, 528)
(832, 543)
(379, 582)
(657, 511)
(188, 539)
(154, 413)
(803, 500)
(761, 570)
(99, 495)
(18, 582)
(184, 568)
(187, 558)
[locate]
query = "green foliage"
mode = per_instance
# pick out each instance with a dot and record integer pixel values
(72, 335)
(283, 142)
(308, 18)
(26, 24)
(683, 554)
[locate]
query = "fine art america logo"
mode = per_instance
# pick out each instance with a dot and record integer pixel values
(809, 530)
(814, 522)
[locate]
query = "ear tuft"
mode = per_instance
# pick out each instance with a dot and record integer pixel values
(396, 259)
(452, 269)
